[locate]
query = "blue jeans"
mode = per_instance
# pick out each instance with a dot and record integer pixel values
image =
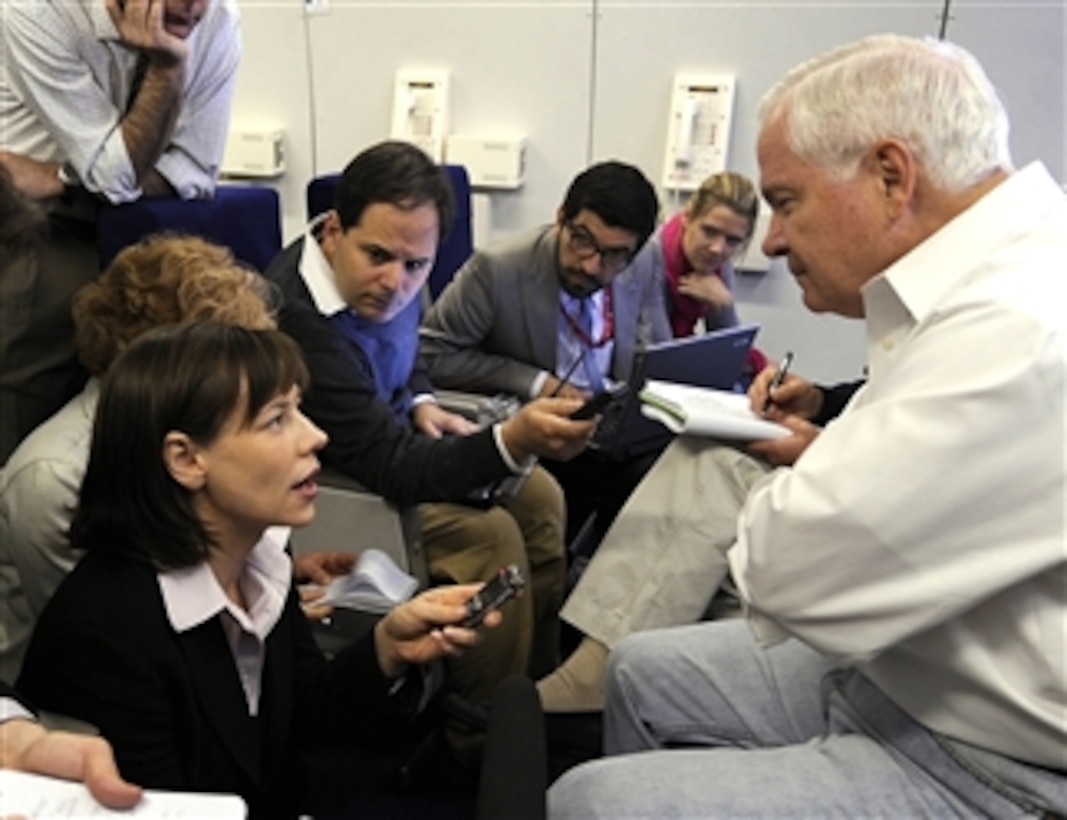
(778, 733)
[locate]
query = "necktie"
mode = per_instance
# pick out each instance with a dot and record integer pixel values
(592, 372)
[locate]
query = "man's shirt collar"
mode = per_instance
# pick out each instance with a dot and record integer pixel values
(317, 273)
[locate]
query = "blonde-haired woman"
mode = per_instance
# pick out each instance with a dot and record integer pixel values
(695, 250)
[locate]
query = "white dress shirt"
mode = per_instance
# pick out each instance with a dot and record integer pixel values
(922, 535)
(65, 80)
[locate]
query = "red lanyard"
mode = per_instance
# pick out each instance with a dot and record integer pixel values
(609, 323)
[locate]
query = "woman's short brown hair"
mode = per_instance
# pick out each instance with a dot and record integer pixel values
(189, 377)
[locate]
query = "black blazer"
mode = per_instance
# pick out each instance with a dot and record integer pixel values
(172, 704)
(366, 441)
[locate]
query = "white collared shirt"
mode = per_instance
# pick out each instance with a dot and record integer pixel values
(192, 595)
(62, 95)
(11, 709)
(317, 273)
(922, 536)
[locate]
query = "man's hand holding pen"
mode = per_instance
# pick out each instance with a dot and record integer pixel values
(776, 393)
(791, 401)
(778, 379)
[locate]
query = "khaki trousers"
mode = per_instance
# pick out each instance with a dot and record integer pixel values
(465, 544)
(665, 556)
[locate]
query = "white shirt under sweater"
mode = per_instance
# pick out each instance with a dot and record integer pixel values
(318, 276)
(65, 80)
(922, 535)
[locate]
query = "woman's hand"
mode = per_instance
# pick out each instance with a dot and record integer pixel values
(28, 747)
(706, 288)
(424, 628)
(313, 571)
(322, 567)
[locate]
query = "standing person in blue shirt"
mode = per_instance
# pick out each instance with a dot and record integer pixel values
(101, 100)
(349, 290)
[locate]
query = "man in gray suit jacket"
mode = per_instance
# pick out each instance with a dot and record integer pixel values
(558, 311)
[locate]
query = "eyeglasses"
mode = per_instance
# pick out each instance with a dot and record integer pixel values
(582, 244)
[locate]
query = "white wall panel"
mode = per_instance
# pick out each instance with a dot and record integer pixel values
(273, 90)
(518, 68)
(588, 80)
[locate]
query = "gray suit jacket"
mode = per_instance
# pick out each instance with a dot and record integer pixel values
(494, 328)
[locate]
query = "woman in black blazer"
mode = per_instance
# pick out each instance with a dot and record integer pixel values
(180, 635)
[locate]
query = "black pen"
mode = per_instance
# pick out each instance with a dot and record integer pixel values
(570, 372)
(778, 378)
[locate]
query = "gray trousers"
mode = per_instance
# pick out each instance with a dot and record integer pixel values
(741, 731)
(665, 556)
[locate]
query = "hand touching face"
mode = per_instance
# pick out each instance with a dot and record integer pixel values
(157, 27)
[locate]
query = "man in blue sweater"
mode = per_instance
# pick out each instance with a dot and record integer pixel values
(349, 288)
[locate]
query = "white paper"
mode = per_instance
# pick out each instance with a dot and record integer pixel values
(703, 411)
(44, 798)
(376, 584)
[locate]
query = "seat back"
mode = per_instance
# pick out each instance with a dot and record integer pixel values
(454, 249)
(245, 218)
(350, 518)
